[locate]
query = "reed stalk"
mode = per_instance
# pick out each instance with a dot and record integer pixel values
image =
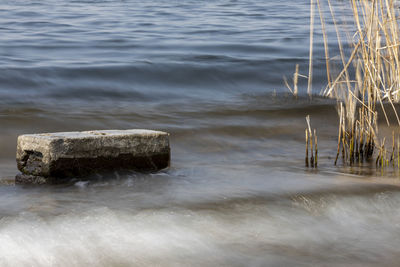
(316, 149)
(310, 64)
(295, 81)
(310, 135)
(393, 148)
(398, 152)
(307, 164)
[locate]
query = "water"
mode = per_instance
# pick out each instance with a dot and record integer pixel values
(210, 73)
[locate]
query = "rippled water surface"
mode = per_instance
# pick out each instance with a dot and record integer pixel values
(210, 73)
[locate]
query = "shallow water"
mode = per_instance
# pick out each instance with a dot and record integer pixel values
(210, 73)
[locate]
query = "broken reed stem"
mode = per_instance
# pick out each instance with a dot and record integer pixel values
(316, 149)
(307, 148)
(340, 132)
(378, 158)
(361, 137)
(383, 157)
(311, 161)
(393, 146)
(295, 81)
(352, 147)
(296, 75)
(357, 141)
(312, 152)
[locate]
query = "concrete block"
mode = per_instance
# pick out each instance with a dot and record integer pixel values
(56, 157)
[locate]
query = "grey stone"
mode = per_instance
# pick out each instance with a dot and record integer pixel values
(30, 179)
(57, 157)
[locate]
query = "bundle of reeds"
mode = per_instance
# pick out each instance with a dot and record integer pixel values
(369, 76)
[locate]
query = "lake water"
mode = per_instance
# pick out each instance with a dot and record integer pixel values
(211, 74)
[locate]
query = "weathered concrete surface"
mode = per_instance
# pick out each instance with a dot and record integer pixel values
(56, 157)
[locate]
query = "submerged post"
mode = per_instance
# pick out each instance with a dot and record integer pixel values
(58, 157)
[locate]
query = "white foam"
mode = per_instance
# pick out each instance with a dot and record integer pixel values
(327, 230)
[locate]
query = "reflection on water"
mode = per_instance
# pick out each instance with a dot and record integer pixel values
(237, 193)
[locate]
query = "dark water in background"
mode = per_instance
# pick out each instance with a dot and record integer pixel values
(210, 73)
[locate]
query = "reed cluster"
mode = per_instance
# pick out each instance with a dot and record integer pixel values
(368, 78)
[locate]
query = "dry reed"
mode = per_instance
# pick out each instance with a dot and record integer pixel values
(310, 135)
(369, 77)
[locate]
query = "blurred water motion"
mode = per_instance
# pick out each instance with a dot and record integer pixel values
(210, 73)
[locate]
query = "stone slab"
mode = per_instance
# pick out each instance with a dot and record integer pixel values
(59, 156)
